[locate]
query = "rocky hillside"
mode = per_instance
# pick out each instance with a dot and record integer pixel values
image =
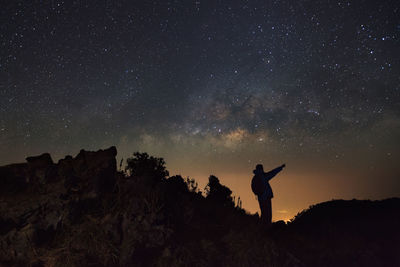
(82, 211)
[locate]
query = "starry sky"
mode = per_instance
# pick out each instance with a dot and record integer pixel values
(213, 87)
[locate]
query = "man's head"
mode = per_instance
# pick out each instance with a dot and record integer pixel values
(259, 167)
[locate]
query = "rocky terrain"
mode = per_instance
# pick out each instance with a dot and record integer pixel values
(82, 211)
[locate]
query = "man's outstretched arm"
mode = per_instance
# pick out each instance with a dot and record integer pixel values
(271, 174)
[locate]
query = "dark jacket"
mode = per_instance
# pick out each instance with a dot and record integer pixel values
(266, 177)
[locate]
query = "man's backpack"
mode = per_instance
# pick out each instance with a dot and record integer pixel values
(257, 185)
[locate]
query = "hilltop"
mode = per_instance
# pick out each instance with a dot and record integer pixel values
(83, 211)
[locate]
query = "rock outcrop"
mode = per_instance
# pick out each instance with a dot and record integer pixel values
(39, 197)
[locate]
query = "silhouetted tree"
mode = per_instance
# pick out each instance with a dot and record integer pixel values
(176, 184)
(215, 191)
(143, 165)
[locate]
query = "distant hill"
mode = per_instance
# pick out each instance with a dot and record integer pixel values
(82, 211)
(347, 233)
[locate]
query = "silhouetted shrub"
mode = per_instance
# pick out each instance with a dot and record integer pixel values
(176, 184)
(143, 165)
(217, 192)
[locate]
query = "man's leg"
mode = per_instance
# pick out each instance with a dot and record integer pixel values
(268, 211)
(262, 209)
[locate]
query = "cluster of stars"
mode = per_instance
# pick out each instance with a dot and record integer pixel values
(290, 70)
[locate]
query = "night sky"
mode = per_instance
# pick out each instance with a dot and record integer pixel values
(213, 87)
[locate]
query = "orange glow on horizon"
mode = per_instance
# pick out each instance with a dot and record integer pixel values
(293, 191)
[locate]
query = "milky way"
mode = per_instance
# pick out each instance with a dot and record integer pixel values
(213, 87)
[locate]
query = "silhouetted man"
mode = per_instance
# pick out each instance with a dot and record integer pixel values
(260, 186)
